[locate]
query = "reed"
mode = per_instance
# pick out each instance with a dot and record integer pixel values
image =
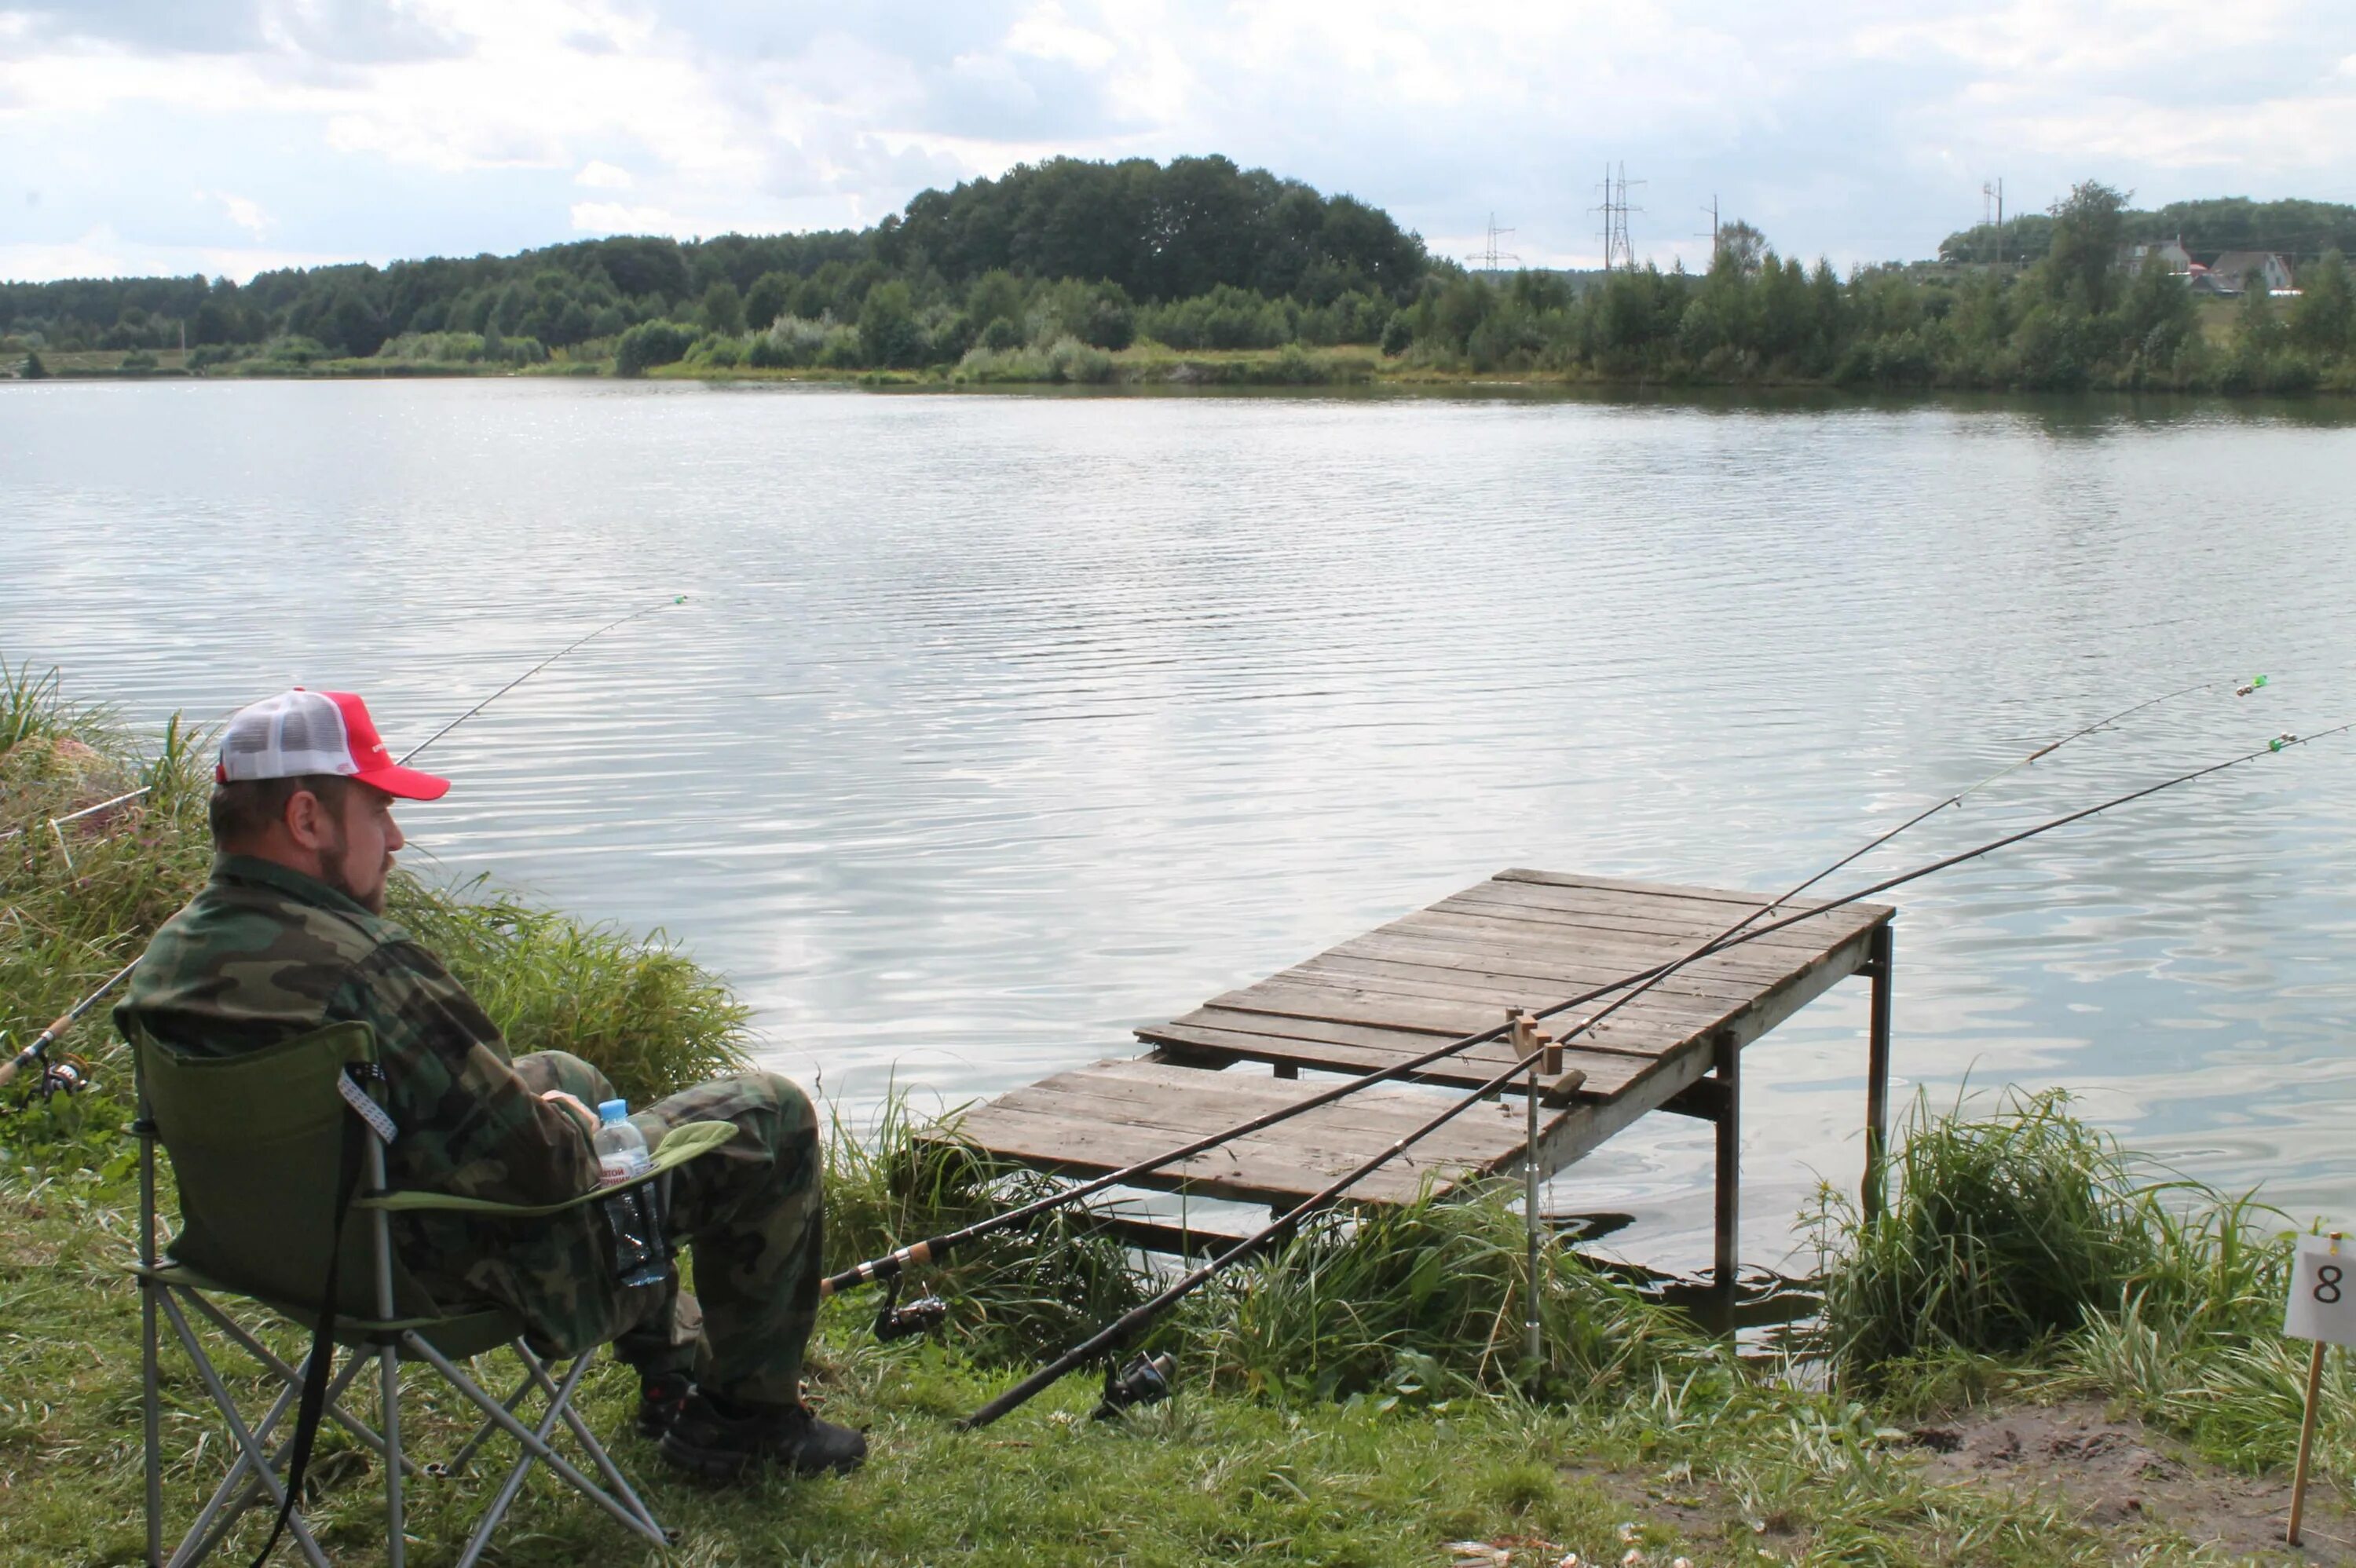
(79, 900)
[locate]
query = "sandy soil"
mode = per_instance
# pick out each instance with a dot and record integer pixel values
(2116, 1473)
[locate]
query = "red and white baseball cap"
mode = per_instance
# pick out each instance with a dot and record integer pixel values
(298, 733)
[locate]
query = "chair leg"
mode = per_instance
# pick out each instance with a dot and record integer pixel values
(185, 1558)
(252, 1450)
(530, 1440)
(151, 1421)
(456, 1464)
(595, 1449)
(514, 1483)
(396, 1539)
(261, 1352)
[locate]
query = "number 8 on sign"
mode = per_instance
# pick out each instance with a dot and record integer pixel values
(2322, 1304)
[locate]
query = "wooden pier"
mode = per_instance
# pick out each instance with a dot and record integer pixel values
(1522, 938)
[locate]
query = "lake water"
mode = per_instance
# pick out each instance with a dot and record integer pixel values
(996, 725)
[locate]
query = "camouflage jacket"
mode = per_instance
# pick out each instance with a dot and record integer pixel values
(263, 953)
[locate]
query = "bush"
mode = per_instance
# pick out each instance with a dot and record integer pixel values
(650, 344)
(138, 360)
(2004, 1234)
(294, 348)
(1070, 361)
(1397, 336)
(889, 337)
(1227, 317)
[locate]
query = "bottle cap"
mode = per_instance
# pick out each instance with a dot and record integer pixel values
(612, 1110)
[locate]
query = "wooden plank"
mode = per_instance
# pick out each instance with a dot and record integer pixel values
(1117, 1114)
(1874, 914)
(1346, 1048)
(1598, 939)
(1604, 944)
(1607, 1074)
(1210, 1102)
(1385, 1008)
(1681, 935)
(1565, 970)
(1647, 907)
(1661, 1005)
(1239, 1172)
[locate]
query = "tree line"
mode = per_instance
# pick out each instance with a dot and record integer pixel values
(1145, 233)
(2077, 319)
(1048, 272)
(2303, 231)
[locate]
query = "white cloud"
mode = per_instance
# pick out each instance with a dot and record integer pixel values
(100, 253)
(1857, 128)
(614, 218)
(244, 212)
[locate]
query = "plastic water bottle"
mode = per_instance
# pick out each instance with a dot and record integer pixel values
(621, 1147)
(638, 1258)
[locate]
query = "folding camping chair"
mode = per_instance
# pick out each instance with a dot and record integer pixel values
(258, 1142)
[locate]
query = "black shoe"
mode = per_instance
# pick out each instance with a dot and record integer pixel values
(721, 1446)
(661, 1399)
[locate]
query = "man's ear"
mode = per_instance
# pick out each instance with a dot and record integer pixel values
(306, 821)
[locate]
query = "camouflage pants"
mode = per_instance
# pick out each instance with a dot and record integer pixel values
(750, 1212)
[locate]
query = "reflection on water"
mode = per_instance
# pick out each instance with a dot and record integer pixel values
(995, 726)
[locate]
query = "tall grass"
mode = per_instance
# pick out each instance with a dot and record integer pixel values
(1427, 1298)
(636, 1007)
(79, 899)
(2003, 1232)
(1418, 1303)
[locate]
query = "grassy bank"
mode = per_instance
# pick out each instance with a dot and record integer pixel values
(1357, 1399)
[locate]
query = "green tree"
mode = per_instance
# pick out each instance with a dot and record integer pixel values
(723, 309)
(770, 296)
(2324, 319)
(888, 333)
(34, 369)
(2088, 227)
(2260, 328)
(1740, 245)
(651, 343)
(2158, 314)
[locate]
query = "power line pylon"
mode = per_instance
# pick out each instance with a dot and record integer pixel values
(1489, 256)
(1619, 252)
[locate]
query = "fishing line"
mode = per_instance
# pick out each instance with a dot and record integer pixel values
(72, 1015)
(1113, 1334)
(933, 1249)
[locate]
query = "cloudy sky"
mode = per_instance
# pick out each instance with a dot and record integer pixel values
(229, 135)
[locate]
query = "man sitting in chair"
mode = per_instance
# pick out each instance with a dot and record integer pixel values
(289, 935)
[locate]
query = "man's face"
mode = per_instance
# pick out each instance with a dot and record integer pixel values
(357, 860)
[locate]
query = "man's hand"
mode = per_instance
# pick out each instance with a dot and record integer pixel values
(587, 1117)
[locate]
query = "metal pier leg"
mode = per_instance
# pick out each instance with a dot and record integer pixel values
(1726, 1265)
(1876, 1075)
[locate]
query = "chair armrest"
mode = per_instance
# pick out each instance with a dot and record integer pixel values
(680, 1145)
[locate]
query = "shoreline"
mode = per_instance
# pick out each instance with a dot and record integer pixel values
(1155, 370)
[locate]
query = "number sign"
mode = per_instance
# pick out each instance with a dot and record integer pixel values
(2322, 1295)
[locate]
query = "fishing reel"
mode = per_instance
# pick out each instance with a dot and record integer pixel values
(60, 1072)
(920, 1316)
(1145, 1380)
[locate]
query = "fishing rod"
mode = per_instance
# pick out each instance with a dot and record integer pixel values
(36, 1051)
(892, 1322)
(1115, 1334)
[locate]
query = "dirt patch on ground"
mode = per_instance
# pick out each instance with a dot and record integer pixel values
(2114, 1472)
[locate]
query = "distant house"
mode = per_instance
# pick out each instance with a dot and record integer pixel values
(2169, 254)
(2236, 270)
